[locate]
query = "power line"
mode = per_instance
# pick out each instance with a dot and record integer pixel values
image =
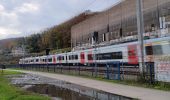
(83, 8)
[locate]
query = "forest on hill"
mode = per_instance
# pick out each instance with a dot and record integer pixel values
(56, 37)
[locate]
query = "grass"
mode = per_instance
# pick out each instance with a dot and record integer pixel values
(7, 72)
(10, 92)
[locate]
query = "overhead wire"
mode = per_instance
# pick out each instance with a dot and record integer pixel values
(77, 12)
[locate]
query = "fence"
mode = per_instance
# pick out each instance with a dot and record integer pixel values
(112, 71)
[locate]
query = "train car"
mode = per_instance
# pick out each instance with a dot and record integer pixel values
(61, 59)
(127, 53)
(43, 60)
(51, 59)
(155, 48)
(36, 60)
(73, 58)
(78, 57)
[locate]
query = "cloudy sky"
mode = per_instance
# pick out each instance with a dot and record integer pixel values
(24, 17)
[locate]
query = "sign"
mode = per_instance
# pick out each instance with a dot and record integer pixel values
(162, 69)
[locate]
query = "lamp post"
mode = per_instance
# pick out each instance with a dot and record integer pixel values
(95, 57)
(140, 27)
(95, 37)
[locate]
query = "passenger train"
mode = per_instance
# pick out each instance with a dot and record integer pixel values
(127, 53)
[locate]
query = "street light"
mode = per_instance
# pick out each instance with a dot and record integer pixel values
(140, 26)
(95, 38)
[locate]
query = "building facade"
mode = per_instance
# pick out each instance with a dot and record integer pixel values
(120, 21)
(18, 51)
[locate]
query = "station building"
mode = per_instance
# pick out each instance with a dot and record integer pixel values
(119, 24)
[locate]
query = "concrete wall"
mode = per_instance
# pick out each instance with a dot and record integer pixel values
(121, 16)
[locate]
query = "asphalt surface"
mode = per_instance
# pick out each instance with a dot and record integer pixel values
(119, 89)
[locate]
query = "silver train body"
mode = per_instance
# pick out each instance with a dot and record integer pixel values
(127, 53)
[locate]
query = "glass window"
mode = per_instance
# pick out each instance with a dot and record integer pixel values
(119, 55)
(62, 58)
(157, 50)
(37, 60)
(43, 60)
(76, 57)
(50, 60)
(72, 57)
(82, 56)
(166, 49)
(107, 56)
(149, 50)
(90, 57)
(69, 57)
(58, 58)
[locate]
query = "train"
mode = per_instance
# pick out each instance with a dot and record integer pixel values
(126, 52)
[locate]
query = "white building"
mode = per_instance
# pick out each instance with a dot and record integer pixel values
(18, 51)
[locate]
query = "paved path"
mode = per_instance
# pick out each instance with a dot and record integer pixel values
(129, 91)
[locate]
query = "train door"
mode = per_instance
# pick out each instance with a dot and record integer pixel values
(60, 59)
(132, 54)
(90, 57)
(82, 58)
(149, 52)
(54, 60)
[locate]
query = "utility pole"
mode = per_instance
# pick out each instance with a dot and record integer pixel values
(95, 57)
(140, 25)
(95, 37)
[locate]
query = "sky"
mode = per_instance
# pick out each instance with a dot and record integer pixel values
(24, 17)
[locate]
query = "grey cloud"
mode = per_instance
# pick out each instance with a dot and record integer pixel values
(51, 12)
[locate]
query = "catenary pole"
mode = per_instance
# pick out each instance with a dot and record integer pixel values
(140, 27)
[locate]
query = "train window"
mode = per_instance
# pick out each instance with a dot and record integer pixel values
(149, 50)
(82, 56)
(76, 57)
(69, 57)
(107, 56)
(44, 60)
(119, 55)
(37, 60)
(66, 57)
(90, 57)
(32, 60)
(50, 60)
(72, 57)
(99, 56)
(62, 58)
(166, 49)
(59, 58)
(157, 50)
